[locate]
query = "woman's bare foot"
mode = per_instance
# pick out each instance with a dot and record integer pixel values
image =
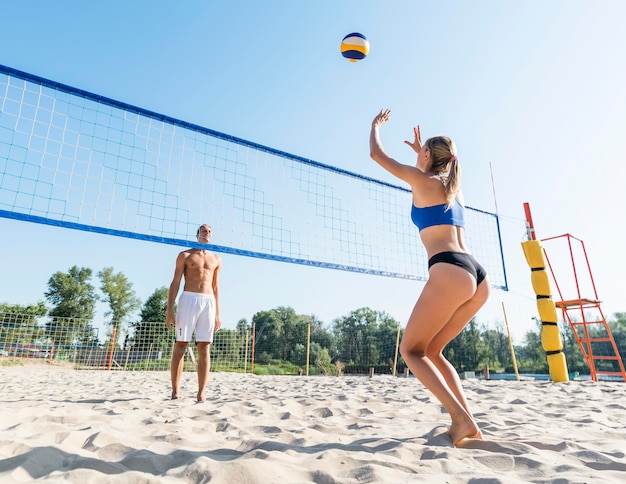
(478, 435)
(467, 429)
(201, 398)
(175, 395)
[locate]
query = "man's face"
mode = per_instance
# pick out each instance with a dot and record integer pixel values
(204, 234)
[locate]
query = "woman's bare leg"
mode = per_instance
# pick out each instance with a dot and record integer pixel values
(457, 322)
(447, 290)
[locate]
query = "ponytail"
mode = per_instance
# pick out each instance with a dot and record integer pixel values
(452, 184)
(445, 164)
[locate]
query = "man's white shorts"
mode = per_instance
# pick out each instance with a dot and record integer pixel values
(195, 312)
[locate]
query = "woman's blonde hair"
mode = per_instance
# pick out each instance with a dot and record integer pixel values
(445, 164)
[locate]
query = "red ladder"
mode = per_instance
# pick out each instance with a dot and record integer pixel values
(586, 318)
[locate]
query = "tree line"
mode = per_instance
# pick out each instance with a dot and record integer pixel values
(364, 338)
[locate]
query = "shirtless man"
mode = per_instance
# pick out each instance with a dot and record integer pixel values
(198, 309)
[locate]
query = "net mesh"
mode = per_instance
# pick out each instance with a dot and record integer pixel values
(81, 161)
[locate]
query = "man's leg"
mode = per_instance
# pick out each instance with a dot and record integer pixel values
(204, 367)
(176, 367)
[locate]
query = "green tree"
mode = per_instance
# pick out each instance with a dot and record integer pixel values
(155, 307)
(243, 326)
(19, 324)
(228, 349)
(321, 335)
(33, 310)
(71, 294)
(278, 331)
(244, 330)
(119, 295)
(150, 332)
(496, 349)
(357, 336)
(532, 356)
(293, 331)
(465, 352)
(618, 330)
(319, 357)
(73, 301)
(387, 334)
(617, 325)
(573, 355)
(268, 328)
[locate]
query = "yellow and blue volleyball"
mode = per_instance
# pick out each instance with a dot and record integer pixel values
(355, 47)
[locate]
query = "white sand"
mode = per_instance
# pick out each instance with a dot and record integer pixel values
(62, 425)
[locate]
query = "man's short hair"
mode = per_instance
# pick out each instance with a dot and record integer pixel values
(203, 225)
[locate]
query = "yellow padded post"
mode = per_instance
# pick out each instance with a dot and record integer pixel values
(534, 254)
(551, 338)
(550, 334)
(558, 367)
(541, 283)
(547, 310)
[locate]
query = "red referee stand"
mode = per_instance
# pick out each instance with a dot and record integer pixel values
(583, 313)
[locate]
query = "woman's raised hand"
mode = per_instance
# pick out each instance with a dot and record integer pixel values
(381, 118)
(416, 144)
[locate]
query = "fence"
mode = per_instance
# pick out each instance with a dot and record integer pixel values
(148, 346)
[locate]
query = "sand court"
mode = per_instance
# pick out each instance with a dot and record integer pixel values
(60, 425)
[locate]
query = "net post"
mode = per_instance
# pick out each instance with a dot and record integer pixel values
(112, 347)
(308, 347)
(530, 227)
(252, 353)
(395, 357)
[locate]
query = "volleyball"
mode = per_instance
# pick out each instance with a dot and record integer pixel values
(355, 47)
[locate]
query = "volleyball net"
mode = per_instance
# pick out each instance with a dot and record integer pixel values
(74, 159)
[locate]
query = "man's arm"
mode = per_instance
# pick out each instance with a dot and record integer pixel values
(216, 293)
(170, 319)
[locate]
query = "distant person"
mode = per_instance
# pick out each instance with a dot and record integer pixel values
(198, 309)
(457, 285)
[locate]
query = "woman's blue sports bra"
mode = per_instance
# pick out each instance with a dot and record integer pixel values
(438, 215)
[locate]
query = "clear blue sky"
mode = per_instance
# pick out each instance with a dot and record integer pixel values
(532, 92)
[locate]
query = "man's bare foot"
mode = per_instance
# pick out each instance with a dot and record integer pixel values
(464, 430)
